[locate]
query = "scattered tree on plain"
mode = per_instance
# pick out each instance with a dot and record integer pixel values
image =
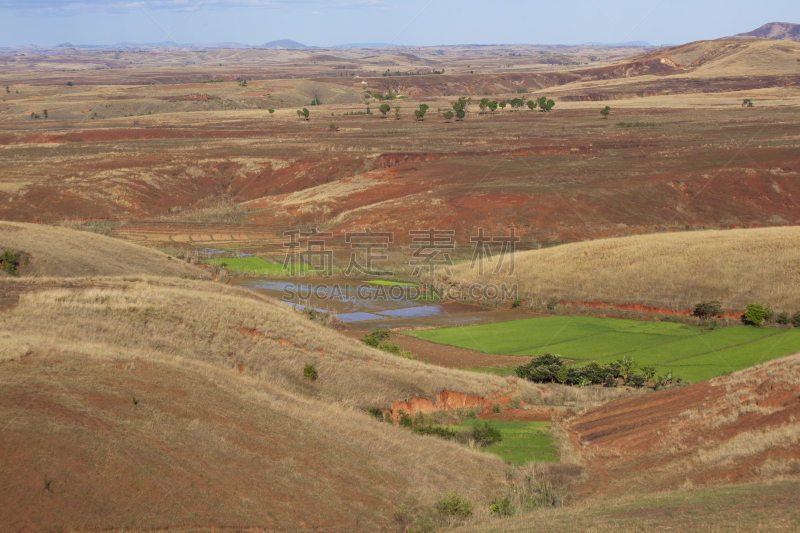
(384, 108)
(483, 104)
(449, 115)
(747, 103)
(545, 104)
(303, 113)
(44, 112)
(503, 105)
(605, 111)
(493, 106)
(516, 103)
(531, 104)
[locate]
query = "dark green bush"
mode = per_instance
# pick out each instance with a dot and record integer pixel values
(376, 337)
(453, 504)
(706, 310)
(405, 420)
(376, 412)
(552, 302)
(796, 319)
(783, 319)
(484, 434)
(610, 381)
(309, 372)
(541, 368)
(10, 263)
(636, 380)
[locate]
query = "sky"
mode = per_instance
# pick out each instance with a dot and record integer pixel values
(407, 22)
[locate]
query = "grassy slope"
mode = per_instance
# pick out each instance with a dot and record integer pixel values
(256, 265)
(770, 506)
(62, 252)
(522, 442)
(693, 353)
(226, 430)
(672, 270)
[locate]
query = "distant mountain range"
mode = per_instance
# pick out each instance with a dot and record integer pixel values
(630, 43)
(364, 45)
(779, 31)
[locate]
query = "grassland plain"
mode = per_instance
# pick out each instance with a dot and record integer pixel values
(694, 353)
(673, 270)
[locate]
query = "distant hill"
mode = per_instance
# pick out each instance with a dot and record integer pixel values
(283, 43)
(779, 31)
(629, 43)
(364, 45)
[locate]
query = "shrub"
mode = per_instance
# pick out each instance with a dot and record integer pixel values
(516, 303)
(309, 372)
(636, 380)
(484, 434)
(754, 314)
(796, 319)
(496, 409)
(375, 338)
(541, 368)
(453, 504)
(610, 381)
(10, 263)
(783, 319)
(376, 412)
(649, 372)
(405, 420)
(551, 303)
(436, 431)
(706, 310)
(500, 507)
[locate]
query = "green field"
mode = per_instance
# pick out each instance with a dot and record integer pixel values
(256, 265)
(694, 353)
(522, 441)
(392, 283)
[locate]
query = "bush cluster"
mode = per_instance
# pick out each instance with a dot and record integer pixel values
(550, 368)
(377, 339)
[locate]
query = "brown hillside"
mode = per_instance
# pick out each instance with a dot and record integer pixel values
(62, 252)
(737, 428)
(774, 30)
(155, 403)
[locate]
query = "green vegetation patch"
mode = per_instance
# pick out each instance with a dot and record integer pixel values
(256, 265)
(522, 442)
(693, 353)
(392, 283)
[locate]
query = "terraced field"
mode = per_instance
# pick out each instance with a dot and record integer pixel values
(694, 353)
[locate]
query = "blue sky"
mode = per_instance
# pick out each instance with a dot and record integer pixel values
(408, 22)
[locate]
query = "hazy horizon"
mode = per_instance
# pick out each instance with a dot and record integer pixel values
(48, 23)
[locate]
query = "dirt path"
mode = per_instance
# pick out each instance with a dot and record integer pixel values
(446, 356)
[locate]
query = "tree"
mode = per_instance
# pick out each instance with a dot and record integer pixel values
(69, 84)
(706, 310)
(397, 113)
(517, 103)
(747, 103)
(755, 314)
(545, 104)
(493, 106)
(531, 104)
(303, 113)
(384, 108)
(7, 89)
(483, 104)
(44, 112)
(503, 105)
(448, 116)
(605, 111)
(271, 111)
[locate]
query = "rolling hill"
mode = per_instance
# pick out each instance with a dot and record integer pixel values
(665, 270)
(784, 31)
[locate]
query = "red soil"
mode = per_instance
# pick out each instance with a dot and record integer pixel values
(628, 441)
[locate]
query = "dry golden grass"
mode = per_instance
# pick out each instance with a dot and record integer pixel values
(667, 270)
(63, 252)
